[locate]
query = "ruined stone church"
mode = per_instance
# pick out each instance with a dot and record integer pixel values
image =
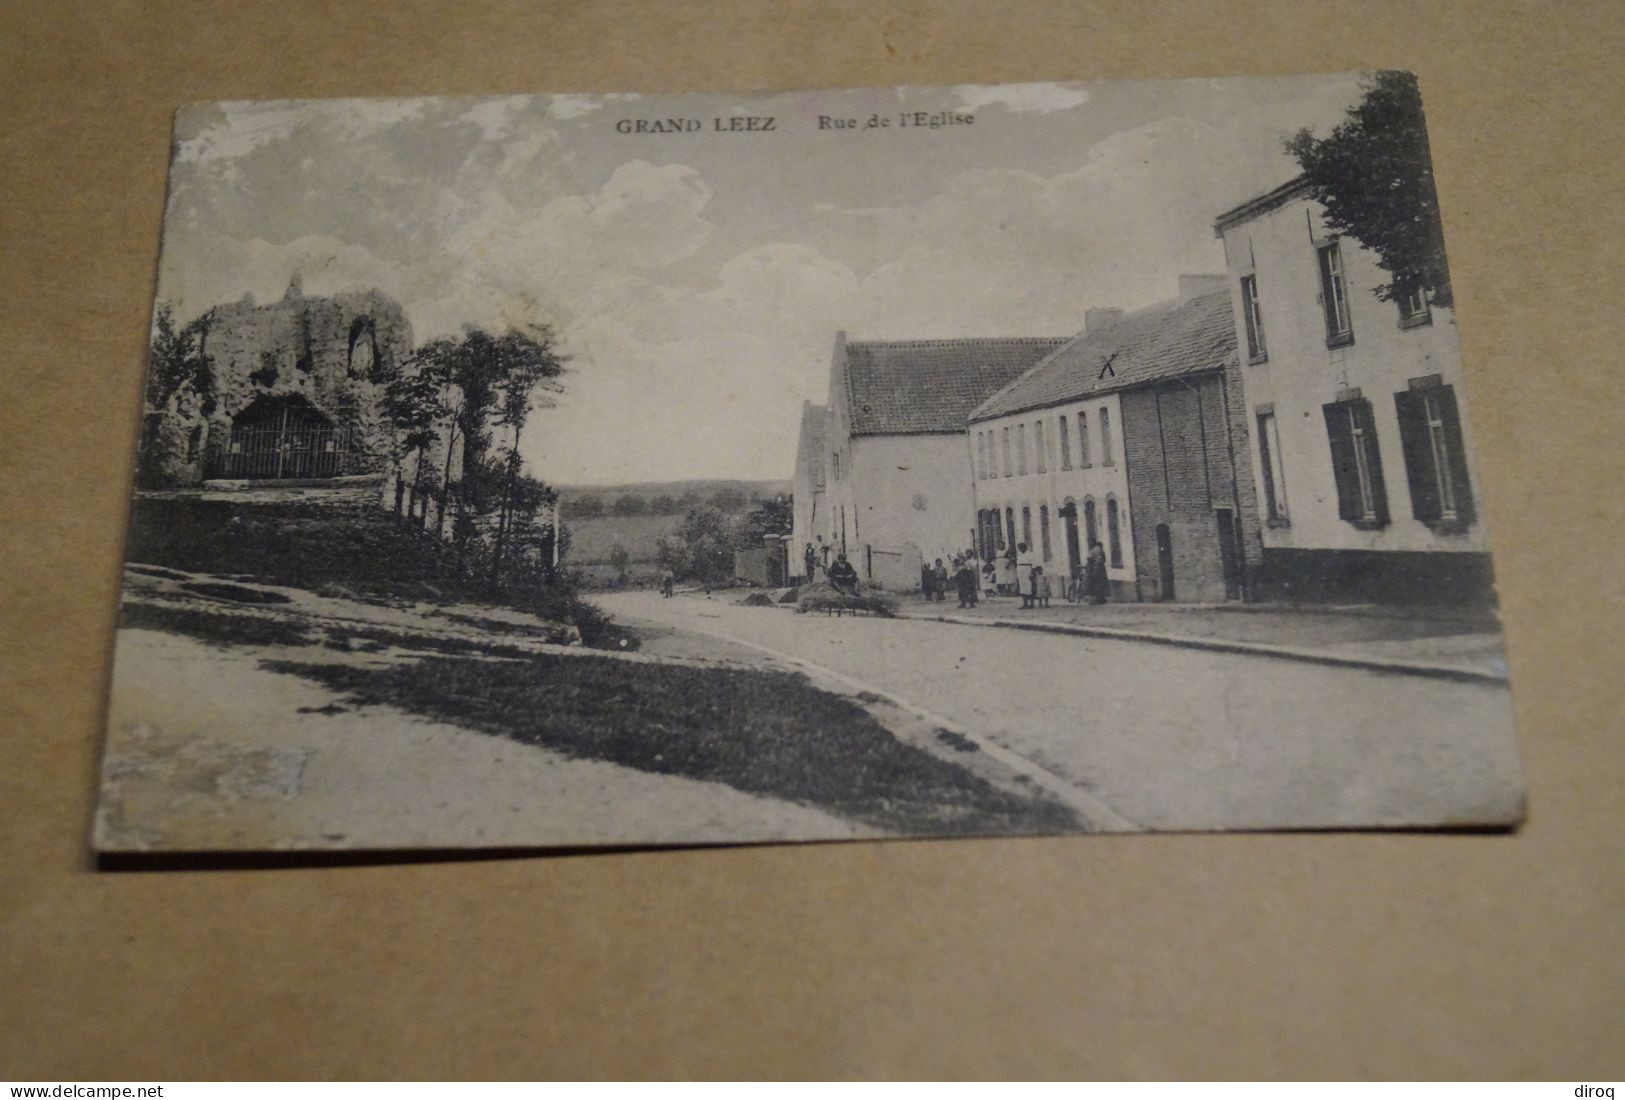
(297, 391)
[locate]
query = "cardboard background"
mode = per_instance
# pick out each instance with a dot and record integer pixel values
(1367, 955)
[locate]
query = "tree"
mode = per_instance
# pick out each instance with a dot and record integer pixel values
(1374, 176)
(701, 548)
(619, 559)
(524, 363)
(586, 507)
(412, 405)
(179, 366)
(630, 504)
(770, 517)
(663, 505)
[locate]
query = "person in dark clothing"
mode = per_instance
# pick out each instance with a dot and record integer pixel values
(1094, 574)
(809, 559)
(966, 580)
(939, 581)
(928, 582)
(843, 577)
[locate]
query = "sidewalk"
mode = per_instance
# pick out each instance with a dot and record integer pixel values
(1449, 644)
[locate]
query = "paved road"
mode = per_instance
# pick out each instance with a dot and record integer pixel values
(1168, 738)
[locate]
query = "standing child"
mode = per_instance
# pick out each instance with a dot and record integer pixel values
(965, 580)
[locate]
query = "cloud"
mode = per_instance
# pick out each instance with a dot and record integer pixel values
(1022, 99)
(564, 107)
(699, 296)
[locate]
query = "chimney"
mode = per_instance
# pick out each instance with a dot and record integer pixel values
(1096, 319)
(1195, 286)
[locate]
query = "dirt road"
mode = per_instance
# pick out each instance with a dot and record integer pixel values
(1166, 738)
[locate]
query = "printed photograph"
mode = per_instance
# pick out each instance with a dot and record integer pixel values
(562, 471)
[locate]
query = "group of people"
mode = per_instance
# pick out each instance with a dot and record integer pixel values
(1016, 572)
(934, 579)
(840, 573)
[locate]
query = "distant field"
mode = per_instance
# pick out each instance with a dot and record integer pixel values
(591, 538)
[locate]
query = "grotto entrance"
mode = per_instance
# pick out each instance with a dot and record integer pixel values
(281, 437)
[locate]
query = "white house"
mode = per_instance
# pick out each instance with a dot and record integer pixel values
(808, 504)
(897, 482)
(1361, 447)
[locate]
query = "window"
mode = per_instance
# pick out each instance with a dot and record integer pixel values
(987, 533)
(1091, 524)
(1039, 446)
(1007, 467)
(1362, 498)
(1065, 442)
(1253, 319)
(981, 456)
(1414, 308)
(1269, 460)
(1021, 448)
(1043, 529)
(1334, 296)
(1027, 526)
(1435, 460)
(1105, 436)
(1083, 438)
(837, 465)
(1114, 540)
(1010, 527)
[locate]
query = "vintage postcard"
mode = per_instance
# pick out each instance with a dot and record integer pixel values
(571, 470)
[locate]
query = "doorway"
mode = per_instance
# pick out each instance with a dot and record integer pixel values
(1074, 552)
(1165, 560)
(1229, 559)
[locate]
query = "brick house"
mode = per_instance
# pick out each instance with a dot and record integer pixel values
(1127, 434)
(897, 486)
(1360, 441)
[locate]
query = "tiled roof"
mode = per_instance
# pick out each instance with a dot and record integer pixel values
(904, 387)
(1160, 341)
(1261, 204)
(810, 447)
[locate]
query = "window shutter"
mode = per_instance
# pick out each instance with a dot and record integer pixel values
(1411, 406)
(1344, 470)
(1379, 489)
(1446, 396)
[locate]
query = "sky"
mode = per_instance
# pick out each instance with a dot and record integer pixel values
(696, 280)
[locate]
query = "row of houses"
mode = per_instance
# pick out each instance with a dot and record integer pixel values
(1273, 432)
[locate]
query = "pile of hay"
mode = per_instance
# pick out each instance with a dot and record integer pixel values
(757, 599)
(823, 596)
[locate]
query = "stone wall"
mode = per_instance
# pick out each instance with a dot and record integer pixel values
(335, 352)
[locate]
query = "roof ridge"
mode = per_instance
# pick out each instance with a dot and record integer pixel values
(945, 341)
(1103, 345)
